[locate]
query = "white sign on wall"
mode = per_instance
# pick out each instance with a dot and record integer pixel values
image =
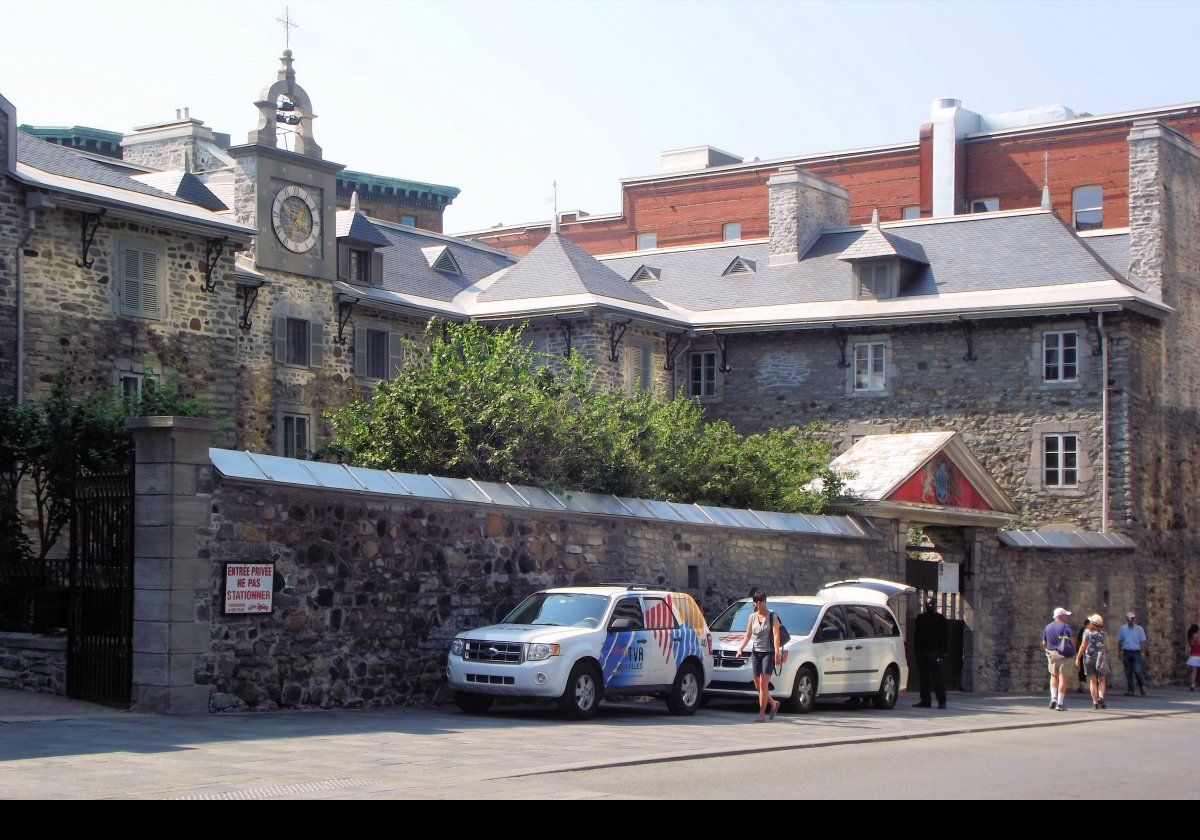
(948, 578)
(249, 588)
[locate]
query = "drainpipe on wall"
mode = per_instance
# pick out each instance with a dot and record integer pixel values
(1103, 422)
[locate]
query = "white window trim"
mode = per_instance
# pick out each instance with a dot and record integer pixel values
(638, 241)
(281, 435)
(888, 368)
(1085, 470)
(1040, 357)
(862, 292)
(986, 198)
(393, 336)
(725, 237)
(716, 395)
(120, 375)
(1075, 211)
(904, 213)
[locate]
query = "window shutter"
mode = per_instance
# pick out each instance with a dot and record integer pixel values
(150, 296)
(131, 282)
(360, 351)
(344, 261)
(316, 338)
(280, 339)
(395, 354)
(645, 373)
(376, 268)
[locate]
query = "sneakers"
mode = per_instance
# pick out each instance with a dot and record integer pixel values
(1053, 704)
(1096, 706)
(1103, 705)
(1062, 707)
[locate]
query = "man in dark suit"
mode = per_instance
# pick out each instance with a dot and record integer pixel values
(930, 639)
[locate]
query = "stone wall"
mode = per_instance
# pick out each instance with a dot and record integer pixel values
(374, 589)
(999, 402)
(72, 318)
(1017, 590)
(12, 224)
(31, 662)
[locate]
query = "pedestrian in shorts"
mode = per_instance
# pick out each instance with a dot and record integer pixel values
(1058, 640)
(763, 630)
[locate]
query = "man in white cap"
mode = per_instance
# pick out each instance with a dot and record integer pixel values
(1058, 640)
(1131, 638)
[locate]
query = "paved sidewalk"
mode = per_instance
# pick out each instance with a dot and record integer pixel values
(442, 753)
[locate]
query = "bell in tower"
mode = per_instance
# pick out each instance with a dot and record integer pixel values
(285, 107)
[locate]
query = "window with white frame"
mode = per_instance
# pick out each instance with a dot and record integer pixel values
(360, 267)
(1087, 205)
(140, 285)
(293, 437)
(702, 377)
(647, 241)
(913, 212)
(639, 367)
(411, 221)
(985, 205)
(731, 231)
(1060, 460)
(870, 366)
(1060, 356)
(875, 280)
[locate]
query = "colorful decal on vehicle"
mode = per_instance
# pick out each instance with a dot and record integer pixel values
(618, 657)
(688, 637)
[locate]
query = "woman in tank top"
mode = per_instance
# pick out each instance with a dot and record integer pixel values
(1194, 653)
(763, 630)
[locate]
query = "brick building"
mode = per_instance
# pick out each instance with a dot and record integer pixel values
(961, 162)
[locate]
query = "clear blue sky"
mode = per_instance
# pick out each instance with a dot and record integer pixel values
(501, 99)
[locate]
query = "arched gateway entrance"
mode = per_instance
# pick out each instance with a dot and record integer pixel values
(942, 498)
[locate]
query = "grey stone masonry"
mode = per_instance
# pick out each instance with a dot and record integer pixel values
(33, 663)
(172, 510)
(800, 205)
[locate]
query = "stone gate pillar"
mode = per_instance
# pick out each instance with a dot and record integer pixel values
(172, 582)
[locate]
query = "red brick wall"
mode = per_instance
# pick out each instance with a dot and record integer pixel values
(691, 211)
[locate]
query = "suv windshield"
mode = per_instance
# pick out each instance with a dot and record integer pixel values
(560, 609)
(797, 618)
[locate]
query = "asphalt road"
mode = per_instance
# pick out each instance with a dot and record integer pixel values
(1107, 760)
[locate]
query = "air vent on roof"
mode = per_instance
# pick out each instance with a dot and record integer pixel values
(440, 258)
(645, 273)
(740, 265)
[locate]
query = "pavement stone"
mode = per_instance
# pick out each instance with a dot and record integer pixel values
(441, 753)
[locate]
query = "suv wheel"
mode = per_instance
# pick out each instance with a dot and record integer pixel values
(474, 704)
(804, 691)
(582, 694)
(889, 690)
(685, 694)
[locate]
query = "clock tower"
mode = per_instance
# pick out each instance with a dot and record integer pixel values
(289, 194)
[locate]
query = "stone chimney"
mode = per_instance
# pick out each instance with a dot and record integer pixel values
(800, 206)
(167, 145)
(1164, 210)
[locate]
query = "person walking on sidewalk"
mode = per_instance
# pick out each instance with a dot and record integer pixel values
(1193, 659)
(1082, 686)
(1131, 639)
(931, 639)
(1058, 640)
(763, 630)
(1093, 656)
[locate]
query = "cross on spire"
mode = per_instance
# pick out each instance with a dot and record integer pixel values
(288, 25)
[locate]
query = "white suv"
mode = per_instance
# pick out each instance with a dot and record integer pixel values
(581, 644)
(845, 642)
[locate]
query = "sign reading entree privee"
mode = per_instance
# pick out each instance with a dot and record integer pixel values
(249, 588)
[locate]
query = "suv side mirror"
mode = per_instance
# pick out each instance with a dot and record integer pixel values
(829, 634)
(620, 625)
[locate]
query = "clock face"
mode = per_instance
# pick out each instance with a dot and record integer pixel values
(296, 217)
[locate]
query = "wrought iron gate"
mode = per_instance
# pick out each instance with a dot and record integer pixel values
(100, 621)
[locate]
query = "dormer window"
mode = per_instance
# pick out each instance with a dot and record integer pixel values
(441, 258)
(876, 280)
(740, 265)
(360, 267)
(645, 274)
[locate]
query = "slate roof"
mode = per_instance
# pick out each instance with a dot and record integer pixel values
(61, 161)
(184, 186)
(356, 227)
(405, 269)
(556, 267)
(993, 252)
(1113, 249)
(875, 243)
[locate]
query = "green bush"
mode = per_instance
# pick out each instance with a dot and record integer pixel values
(478, 403)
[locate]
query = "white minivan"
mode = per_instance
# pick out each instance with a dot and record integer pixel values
(845, 642)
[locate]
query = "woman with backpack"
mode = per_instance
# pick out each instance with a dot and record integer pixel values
(1093, 656)
(763, 630)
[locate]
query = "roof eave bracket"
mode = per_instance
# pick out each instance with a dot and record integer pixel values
(214, 249)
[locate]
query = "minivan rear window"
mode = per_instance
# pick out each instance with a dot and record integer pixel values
(797, 618)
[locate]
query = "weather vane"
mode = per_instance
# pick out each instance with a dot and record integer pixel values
(288, 26)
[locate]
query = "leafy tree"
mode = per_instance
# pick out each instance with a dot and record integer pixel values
(479, 403)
